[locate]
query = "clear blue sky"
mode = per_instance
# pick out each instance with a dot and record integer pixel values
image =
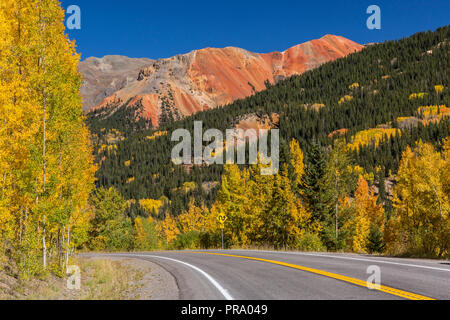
(160, 29)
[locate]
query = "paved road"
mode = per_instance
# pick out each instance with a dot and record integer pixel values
(263, 275)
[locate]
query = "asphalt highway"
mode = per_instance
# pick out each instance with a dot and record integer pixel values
(267, 275)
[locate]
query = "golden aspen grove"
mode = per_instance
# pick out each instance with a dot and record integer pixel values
(46, 160)
(72, 182)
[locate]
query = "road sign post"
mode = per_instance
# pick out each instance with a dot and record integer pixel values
(222, 218)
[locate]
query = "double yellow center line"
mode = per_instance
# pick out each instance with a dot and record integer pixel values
(393, 291)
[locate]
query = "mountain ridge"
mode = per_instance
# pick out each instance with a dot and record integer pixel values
(171, 88)
(378, 85)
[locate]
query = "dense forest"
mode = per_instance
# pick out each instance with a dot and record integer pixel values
(371, 89)
(46, 162)
(364, 158)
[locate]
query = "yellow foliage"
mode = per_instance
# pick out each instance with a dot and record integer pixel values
(359, 171)
(109, 148)
(145, 234)
(436, 110)
(140, 232)
(232, 200)
(156, 134)
(262, 210)
(317, 106)
(211, 219)
(46, 175)
(361, 234)
(169, 228)
(345, 98)
(296, 156)
(365, 214)
(194, 219)
(394, 237)
(422, 199)
(151, 205)
(401, 119)
(419, 95)
(439, 88)
(189, 186)
(371, 136)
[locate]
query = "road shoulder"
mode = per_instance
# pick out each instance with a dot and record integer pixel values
(153, 281)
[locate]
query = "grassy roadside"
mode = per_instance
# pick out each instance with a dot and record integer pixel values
(110, 280)
(101, 279)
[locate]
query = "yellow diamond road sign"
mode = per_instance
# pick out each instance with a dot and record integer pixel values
(222, 218)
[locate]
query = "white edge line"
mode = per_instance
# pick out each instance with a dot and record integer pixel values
(350, 258)
(221, 289)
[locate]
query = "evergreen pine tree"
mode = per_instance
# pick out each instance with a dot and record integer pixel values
(316, 188)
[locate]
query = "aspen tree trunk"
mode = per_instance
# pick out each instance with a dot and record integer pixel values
(337, 200)
(441, 245)
(20, 225)
(68, 245)
(59, 244)
(44, 244)
(63, 244)
(60, 233)
(3, 186)
(337, 212)
(23, 226)
(40, 63)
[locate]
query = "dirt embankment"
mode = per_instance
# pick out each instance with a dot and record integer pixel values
(102, 278)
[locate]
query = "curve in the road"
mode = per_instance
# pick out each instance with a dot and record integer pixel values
(393, 291)
(223, 291)
(362, 259)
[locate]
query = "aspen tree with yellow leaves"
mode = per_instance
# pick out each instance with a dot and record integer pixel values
(296, 159)
(110, 228)
(286, 219)
(194, 219)
(261, 188)
(168, 229)
(232, 199)
(13, 133)
(365, 215)
(46, 164)
(49, 206)
(422, 202)
(264, 210)
(342, 181)
(146, 237)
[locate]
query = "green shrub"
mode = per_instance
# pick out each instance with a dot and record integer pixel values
(310, 242)
(189, 240)
(375, 243)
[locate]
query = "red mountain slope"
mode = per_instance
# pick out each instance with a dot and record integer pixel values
(207, 78)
